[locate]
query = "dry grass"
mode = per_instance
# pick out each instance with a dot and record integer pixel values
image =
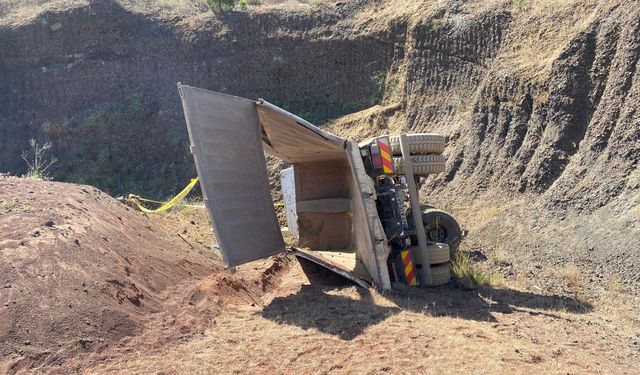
(542, 30)
(18, 10)
(616, 286)
(242, 340)
(571, 275)
(462, 267)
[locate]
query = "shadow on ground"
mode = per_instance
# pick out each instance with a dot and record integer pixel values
(313, 307)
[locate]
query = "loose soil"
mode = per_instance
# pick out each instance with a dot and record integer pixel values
(81, 271)
(91, 286)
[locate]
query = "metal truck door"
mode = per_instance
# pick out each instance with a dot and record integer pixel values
(226, 143)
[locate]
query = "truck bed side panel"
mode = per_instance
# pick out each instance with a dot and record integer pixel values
(227, 147)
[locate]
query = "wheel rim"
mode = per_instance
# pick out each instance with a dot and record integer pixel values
(436, 233)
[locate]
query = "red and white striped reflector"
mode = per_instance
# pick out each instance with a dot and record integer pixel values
(409, 270)
(385, 154)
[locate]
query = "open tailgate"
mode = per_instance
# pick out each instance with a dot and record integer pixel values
(226, 143)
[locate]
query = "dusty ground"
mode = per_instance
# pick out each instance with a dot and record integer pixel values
(178, 311)
(317, 323)
(312, 322)
(81, 272)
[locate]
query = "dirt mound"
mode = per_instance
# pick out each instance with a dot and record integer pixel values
(244, 286)
(80, 271)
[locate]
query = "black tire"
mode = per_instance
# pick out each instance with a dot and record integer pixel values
(440, 226)
(423, 165)
(425, 206)
(419, 144)
(440, 274)
(438, 252)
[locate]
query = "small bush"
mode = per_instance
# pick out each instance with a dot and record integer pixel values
(517, 4)
(37, 162)
(462, 267)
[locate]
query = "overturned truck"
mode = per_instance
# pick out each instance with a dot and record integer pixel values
(357, 209)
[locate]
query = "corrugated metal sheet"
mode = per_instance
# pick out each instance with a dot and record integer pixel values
(227, 146)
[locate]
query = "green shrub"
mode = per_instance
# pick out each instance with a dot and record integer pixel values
(462, 267)
(517, 4)
(222, 5)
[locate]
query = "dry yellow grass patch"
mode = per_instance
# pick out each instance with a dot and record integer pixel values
(571, 275)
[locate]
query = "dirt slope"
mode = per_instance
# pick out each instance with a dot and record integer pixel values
(125, 132)
(81, 272)
(310, 321)
(93, 287)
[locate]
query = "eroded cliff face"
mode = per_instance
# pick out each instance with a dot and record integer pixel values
(99, 81)
(550, 141)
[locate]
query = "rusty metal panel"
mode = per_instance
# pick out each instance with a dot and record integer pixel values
(226, 143)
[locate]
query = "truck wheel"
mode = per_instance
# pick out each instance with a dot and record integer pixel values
(440, 274)
(440, 226)
(419, 144)
(423, 165)
(438, 252)
(425, 206)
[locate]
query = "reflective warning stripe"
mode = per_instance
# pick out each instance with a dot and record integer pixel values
(409, 271)
(385, 153)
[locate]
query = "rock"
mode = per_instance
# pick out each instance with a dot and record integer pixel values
(7, 286)
(49, 223)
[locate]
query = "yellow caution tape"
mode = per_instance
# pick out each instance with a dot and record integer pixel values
(161, 202)
(136, 199)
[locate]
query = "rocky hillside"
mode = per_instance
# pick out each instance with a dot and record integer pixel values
(538, 100)
(99, 81)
